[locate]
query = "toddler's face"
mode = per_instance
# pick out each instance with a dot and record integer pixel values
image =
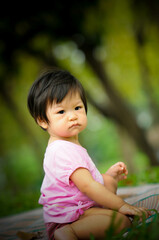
(66, 119)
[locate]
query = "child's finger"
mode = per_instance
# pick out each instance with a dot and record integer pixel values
(123, 170)
(145, 211)
(126, 171)
(122, 165)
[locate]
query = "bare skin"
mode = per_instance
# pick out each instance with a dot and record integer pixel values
(113, 175)
(66, 120)
(96, 220)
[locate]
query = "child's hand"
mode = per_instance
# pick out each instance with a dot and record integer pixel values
(130, 210)
(118, 171)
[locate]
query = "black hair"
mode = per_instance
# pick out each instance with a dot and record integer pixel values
(52, 85)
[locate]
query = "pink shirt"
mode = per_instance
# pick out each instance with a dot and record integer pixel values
(61, 199)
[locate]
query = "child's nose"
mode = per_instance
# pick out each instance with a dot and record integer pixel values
(72, 116)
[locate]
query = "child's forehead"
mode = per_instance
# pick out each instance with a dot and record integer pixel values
(71, 96)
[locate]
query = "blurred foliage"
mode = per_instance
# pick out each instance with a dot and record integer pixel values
(139, 230)
(112, 27)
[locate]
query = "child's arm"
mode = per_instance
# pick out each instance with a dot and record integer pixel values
(83, 179)
(113, 175)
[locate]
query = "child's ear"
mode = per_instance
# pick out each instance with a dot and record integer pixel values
(42, 123)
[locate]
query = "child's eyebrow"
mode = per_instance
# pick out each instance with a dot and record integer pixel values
(57, 105)
(79, 101)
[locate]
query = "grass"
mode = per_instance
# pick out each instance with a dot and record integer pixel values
(16, 203)
(25, 199)
(142, 231)
(22, 191)
(151, 175)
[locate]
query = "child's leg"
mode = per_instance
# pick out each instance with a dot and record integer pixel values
(94, 221)
(110, 183)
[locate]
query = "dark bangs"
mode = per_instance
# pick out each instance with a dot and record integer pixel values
(52, 86)
(59, 92)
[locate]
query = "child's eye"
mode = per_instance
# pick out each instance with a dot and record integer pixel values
(61, 112)
(77, 108)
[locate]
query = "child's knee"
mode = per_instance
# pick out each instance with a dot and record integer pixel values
(111, 180)
(110, 183)
(125, 222)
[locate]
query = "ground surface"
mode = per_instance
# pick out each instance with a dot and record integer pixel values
(31, 222)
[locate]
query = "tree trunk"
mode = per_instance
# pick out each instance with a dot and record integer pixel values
(124, 116)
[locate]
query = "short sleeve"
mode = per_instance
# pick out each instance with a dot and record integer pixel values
(68, 158)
